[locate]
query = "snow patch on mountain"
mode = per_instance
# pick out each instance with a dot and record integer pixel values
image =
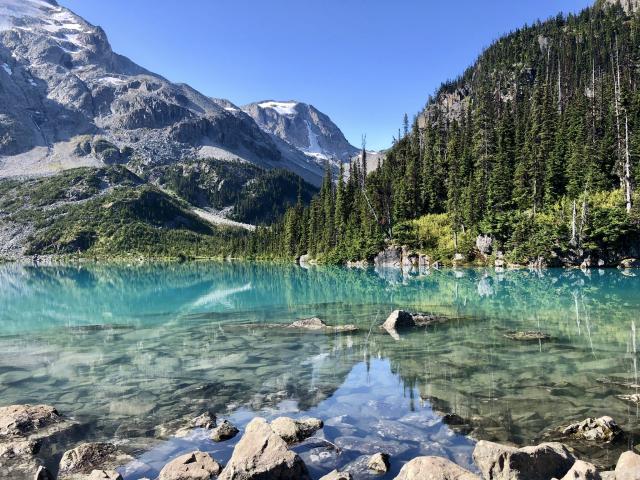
(283, 108)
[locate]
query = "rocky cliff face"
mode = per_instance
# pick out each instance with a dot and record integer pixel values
(303, 127)
(628, 5)
(67, 100)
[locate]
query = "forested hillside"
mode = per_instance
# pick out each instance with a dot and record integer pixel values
(537, 145)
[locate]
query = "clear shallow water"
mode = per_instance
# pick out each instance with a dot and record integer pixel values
(130, 351)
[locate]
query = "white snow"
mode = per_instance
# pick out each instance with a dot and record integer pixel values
(32, 82)
(115, 81)
(314, 146)
(231, 109)
(7, 68)
(283, 108)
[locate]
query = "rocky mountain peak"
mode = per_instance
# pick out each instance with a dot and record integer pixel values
(303, 127)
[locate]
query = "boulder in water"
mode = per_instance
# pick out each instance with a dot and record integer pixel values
(192, 466)
(225, 431)
(336, 475)
(293, 431)
(260, 454)
(541, 462)
(316, 324)
(379, 462)
(603, 429)
(91, 456)
(434, 468)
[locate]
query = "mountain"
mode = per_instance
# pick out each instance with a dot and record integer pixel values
(67, 100)
(530, 156)
(303, 127)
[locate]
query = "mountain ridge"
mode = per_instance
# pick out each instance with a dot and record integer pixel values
(68, 101)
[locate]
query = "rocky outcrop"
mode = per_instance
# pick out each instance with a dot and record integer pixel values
(541, 462)
(293, 431)
(191, 466)
(628, 5)
(261, 454)
(389, 257)
(316, 324)
(434, 468)
(23, 420)
(582, 471)
(225, 431)
(303, 127)
(91, 456)
(379, 463)
(603, 429)
(628, 467)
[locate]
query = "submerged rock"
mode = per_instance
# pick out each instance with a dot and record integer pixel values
(528, 336)
(318, 325)
(603, 429)
(261, 454)
(336, 475)
(541, 462)
(434, 468)
(582, 471)
(628, 467)
(293, 431)
(191, 466)
(91, 456)
(379, 462)
(225, 431)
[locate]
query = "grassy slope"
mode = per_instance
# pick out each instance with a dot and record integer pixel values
(107, 211)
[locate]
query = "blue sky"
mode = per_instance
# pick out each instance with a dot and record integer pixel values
(363, 62)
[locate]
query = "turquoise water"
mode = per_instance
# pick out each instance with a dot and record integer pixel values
(130, 352)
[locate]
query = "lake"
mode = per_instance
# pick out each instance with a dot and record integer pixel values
(132, 351)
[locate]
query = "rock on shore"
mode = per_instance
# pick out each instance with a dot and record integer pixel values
(541, 462)
(192, 466)
(261, 453)
(434, 468)
(86, 458)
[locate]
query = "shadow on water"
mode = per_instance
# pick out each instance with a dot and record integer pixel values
(129, 350)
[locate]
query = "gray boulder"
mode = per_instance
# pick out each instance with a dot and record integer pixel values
(541, 462)
(582, 471)
(262, 454)
(603, 429)
(628, 466)
(43, 474)
(225, 431)
(191, 466)
(86, 458)
(379, 463)
(22, 420)
(434, 468)
(293, 431)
